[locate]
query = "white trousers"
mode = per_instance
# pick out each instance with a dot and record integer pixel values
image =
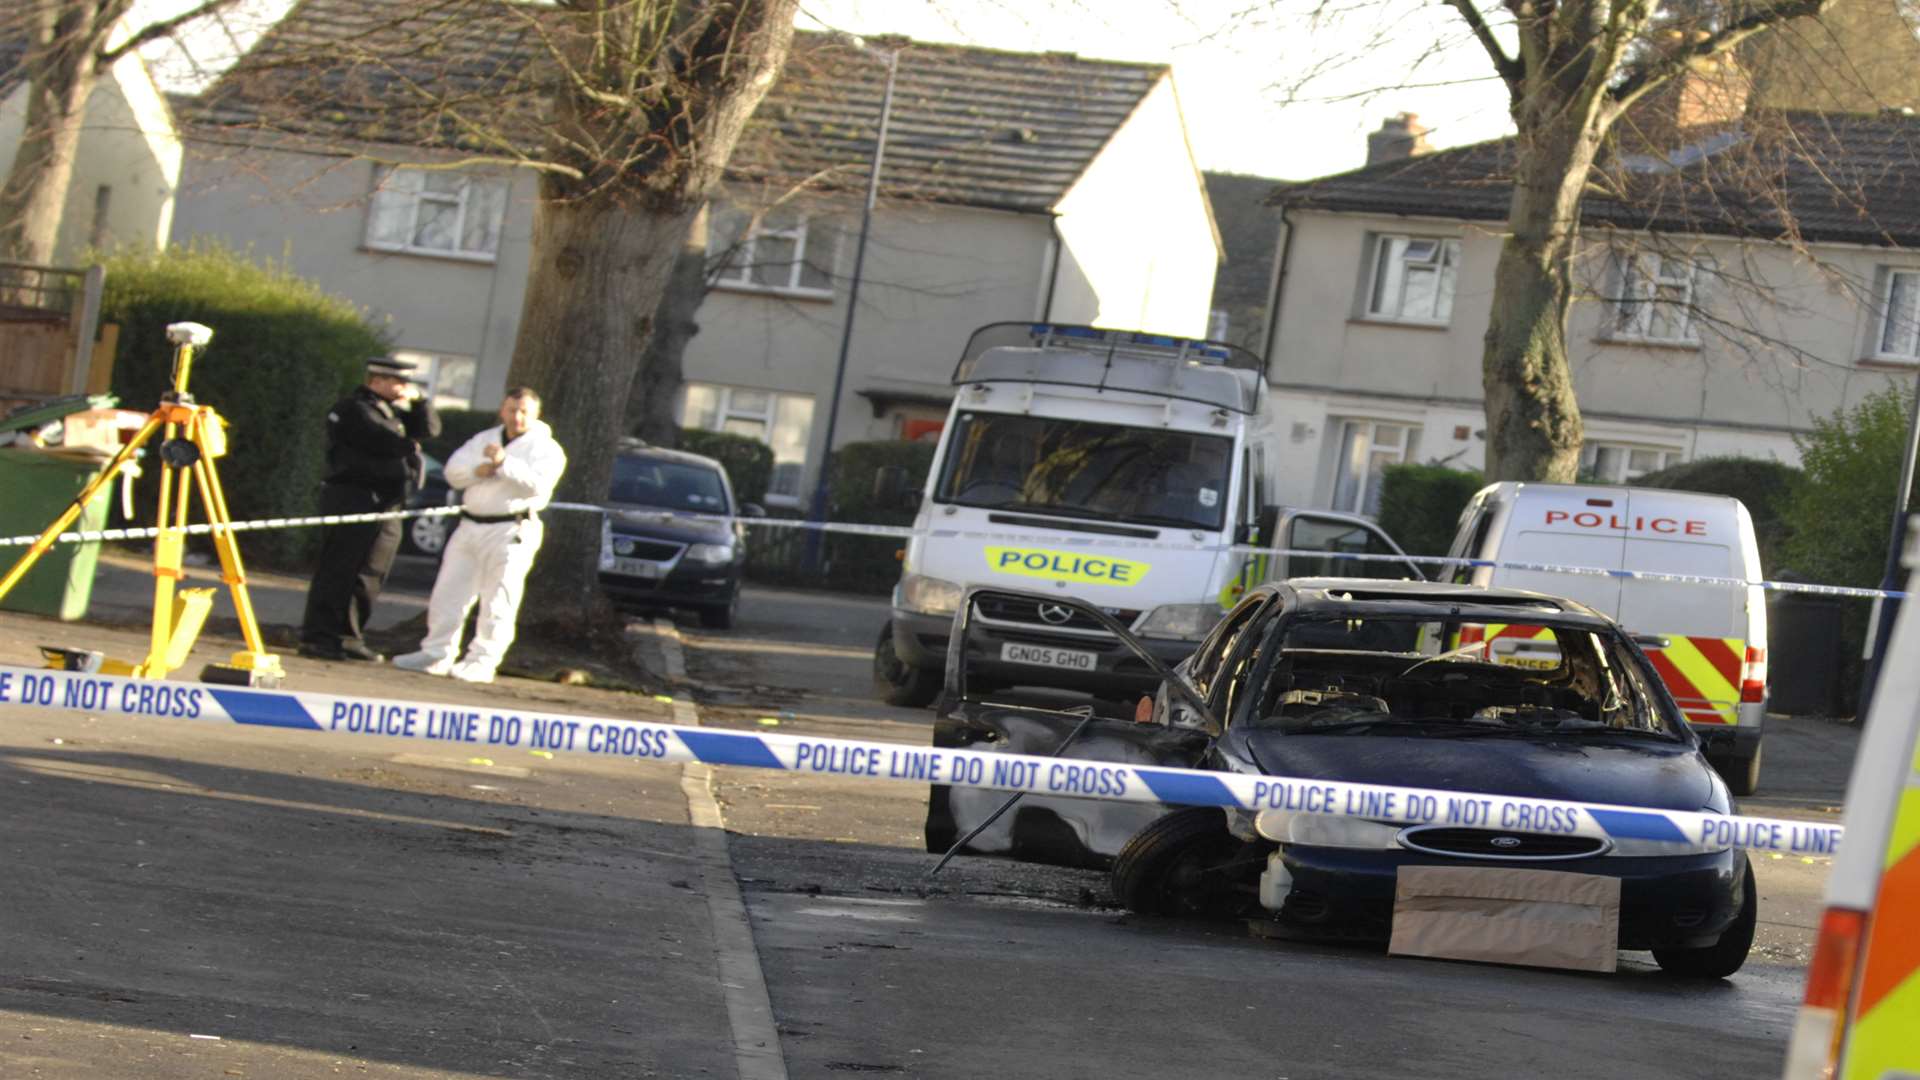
(488, 564)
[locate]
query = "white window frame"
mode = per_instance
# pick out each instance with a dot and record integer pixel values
(431, 373)
(1443, 257)
(1884, 316)
(1639, 296)
(1364, 479)
(737, 272)
(1590, 459)
(766, 416)
(383, 188)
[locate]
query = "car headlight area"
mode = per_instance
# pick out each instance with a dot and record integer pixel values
(928, 595)
(1182, 622)
(710, 554)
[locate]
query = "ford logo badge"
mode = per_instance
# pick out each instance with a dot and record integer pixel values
(1505, 841)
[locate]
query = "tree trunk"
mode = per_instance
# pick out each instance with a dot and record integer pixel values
(656, 388)
(599, 267)
(34, 197)
(1533, 421)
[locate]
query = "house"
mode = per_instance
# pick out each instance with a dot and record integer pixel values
(1012, 188)
(127, 164)
(1735, 283)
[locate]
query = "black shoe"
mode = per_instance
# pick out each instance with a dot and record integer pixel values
(356, 650)
(315, 651)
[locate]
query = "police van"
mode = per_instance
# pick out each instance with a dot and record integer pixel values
(1109, 466)
(1709, 642)
(1860, 1015)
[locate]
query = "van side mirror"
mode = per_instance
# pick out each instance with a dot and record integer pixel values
(752, 510)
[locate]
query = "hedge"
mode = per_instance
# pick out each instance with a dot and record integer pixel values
(282, 352)
(1420, 505)
(1764, 487)
(867, 564)
(748, 461)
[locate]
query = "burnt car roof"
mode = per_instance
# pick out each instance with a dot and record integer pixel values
(1346, 596)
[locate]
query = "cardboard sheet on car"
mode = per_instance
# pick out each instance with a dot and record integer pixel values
(1499, 915)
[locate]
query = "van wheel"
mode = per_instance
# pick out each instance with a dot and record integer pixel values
(1723, 957)
(1742, 773)
(1185, 863)
(898, 682)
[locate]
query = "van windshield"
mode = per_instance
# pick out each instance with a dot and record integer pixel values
(1080, 469)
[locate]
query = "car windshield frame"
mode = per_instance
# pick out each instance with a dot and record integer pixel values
(1177, 500)
(1615, 646)
(724, 508)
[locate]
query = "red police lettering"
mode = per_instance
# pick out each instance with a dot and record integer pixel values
(1556, 515)
(1696, 528)
(1587, 520)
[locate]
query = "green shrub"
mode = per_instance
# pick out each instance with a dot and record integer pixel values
(856, 464)
(1420, 505)
(866, 564)
(1764, 487)
(748, 461)
(282, 352)
(456, 427)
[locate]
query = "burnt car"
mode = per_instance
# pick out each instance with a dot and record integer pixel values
(1373, 682)
(674, 534)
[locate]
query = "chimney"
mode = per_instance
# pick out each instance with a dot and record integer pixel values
(1399, 138)
(1708, 97)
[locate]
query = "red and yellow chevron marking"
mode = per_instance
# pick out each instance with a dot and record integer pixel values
(1883, 1041)
(1703, 675)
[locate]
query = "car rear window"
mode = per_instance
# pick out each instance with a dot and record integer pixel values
(672, 485)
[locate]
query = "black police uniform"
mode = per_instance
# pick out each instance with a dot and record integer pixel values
(373, 465)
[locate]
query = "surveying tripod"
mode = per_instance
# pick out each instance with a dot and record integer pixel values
(192, 436)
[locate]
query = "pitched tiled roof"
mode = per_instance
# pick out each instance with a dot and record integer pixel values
(1829, 177)
(972, 126)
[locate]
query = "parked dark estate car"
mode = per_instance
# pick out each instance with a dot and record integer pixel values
(428, 535)
(1373, 682)
(674, 535)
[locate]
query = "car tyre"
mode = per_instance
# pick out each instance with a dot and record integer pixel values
(1182, 864)
(1742, 772)
(1723, 957)
(428, 535)
(722, 616)
(898, 682)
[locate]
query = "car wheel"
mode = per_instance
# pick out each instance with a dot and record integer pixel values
(1723, 957)
(1741, 773)
(898, 682)
(428, 535)
(1185, 863)
(721, 618)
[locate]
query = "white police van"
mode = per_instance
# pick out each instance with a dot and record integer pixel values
(1114, 467)
(1709, 642)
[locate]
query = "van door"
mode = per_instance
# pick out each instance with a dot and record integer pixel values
(1563, 527)
(1703, 626)
(1305, 530)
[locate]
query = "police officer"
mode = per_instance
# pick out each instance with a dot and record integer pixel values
(373, 464)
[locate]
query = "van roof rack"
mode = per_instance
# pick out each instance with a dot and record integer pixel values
(1206, 372)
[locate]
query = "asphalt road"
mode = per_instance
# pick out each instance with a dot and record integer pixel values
(997, 968)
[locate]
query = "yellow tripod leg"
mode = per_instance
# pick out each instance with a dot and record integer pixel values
(52, 534)
(259, 666)
(169, 549)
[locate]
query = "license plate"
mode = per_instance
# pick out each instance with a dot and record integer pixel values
(639, 568)
(1048, 656)
(1541, 663)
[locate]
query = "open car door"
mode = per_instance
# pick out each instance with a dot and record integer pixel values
(1068, 738)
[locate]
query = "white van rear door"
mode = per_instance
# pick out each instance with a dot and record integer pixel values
(1558, 527)
(1676, 534)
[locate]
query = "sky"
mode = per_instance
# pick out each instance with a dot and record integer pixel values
(1238, 65)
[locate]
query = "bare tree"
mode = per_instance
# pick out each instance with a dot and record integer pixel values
(627, 110)
(68, 44)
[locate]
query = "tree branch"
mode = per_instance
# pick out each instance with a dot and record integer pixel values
(1505, 66)
(1649, 77)
(154, 31)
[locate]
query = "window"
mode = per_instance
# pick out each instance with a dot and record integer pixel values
(1366, 449)
(782, 421)
(1898, 336)
(1413, 278)
(448, 379)
(789, 252)
(437, 212)
(1618, 463)
(1656, 298)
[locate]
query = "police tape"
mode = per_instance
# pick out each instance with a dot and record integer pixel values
(467, 726)
(1089, 543)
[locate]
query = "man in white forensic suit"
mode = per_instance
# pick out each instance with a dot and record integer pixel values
(505, 476)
